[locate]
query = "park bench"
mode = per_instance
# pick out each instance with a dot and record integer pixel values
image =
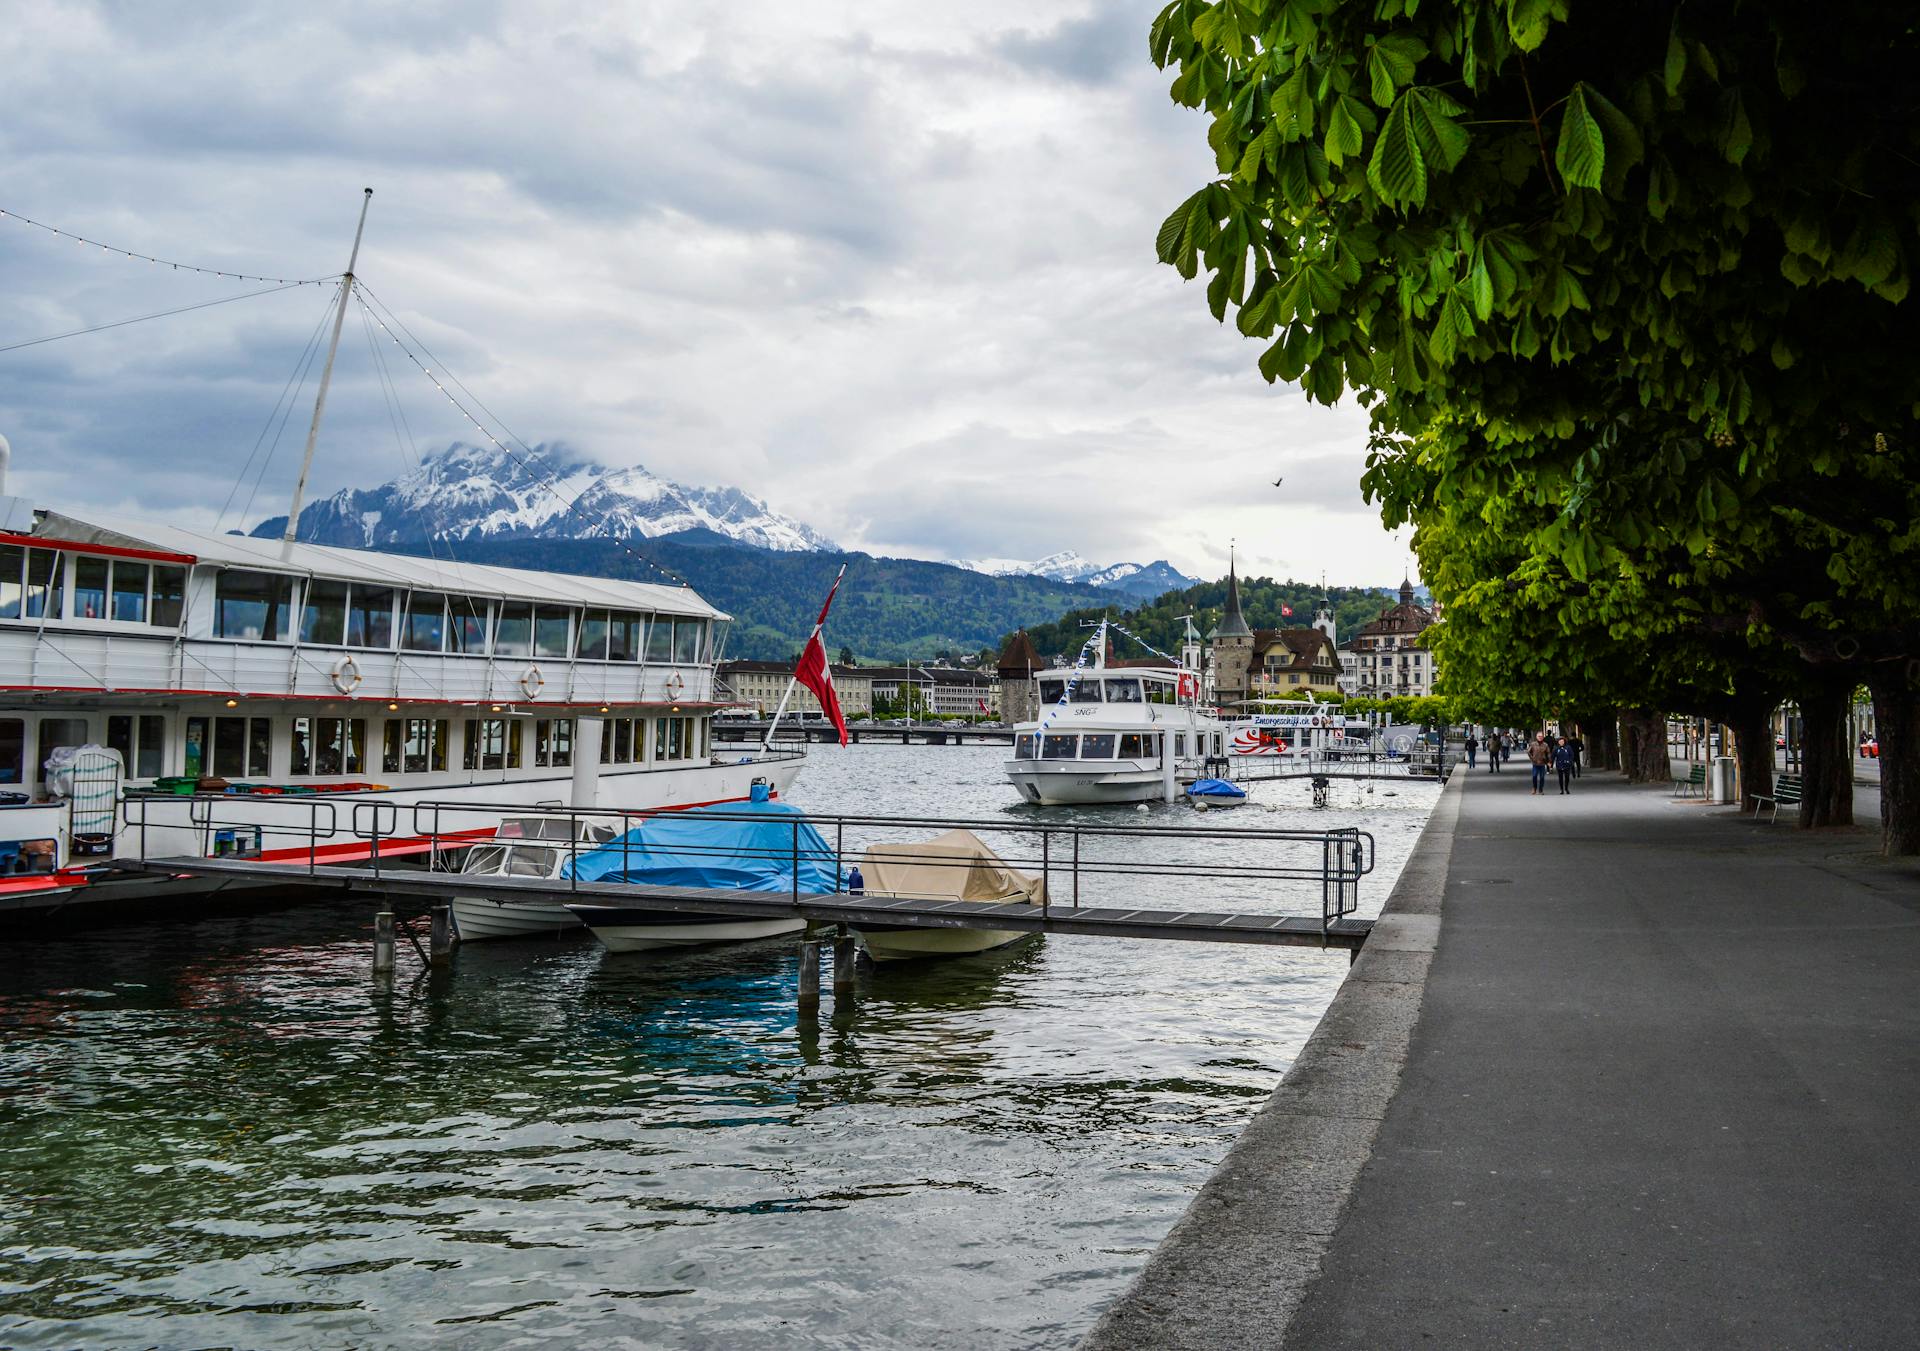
(1695, 784)
(1786, 790)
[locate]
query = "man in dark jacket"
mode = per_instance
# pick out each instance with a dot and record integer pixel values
(1564, 762)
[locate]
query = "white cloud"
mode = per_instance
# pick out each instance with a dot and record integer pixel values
(889, 267)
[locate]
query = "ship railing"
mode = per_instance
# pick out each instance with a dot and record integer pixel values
(217, 818)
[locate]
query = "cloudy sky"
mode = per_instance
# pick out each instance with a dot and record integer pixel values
(889, 266)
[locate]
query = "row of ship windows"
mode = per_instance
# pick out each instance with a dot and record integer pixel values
(1108, 745)
(1090, 690)
(260, 606)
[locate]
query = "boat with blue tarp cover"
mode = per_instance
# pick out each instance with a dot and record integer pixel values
(760, 845)
(1215, 793)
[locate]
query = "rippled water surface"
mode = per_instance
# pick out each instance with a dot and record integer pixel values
(223, 1132)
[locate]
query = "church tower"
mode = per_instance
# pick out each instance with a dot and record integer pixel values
(1232, 646)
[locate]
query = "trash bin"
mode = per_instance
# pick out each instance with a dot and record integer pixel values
(1722, 774)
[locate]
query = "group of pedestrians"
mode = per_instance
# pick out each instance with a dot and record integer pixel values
(1543, 750)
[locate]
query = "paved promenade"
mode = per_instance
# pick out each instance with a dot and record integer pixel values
(1662, 1089)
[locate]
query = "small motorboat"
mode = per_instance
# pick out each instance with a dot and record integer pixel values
(956, 866)
(531, 846)
(733, 846)
(1207, 793)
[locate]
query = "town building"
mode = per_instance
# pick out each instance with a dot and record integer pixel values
(1393, 654)
(1019, 668)
(759, 684)
(1287, 661)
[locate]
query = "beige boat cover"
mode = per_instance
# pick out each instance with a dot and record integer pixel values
(957, 866)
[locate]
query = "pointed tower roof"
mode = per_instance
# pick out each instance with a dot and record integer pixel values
(1232, 624)
(1018, 660)
(1406, 590)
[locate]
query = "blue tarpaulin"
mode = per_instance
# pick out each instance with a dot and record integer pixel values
(736, 846)
(1217, 788)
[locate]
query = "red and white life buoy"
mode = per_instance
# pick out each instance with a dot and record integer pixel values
(532, 682)
(346, 675)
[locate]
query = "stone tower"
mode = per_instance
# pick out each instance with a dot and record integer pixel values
(1232, 647)
(1019, 668)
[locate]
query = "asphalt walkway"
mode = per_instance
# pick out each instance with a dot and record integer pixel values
(1659, 1087)
(1664, 1092)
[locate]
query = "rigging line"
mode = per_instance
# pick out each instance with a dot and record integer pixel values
(298, 365)
(157, 262)
(158, 314)
(286, 415)
(542, 480)
(400, 324)
(396, 416)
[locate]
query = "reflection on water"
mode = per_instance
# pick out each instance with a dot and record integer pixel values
(225, 1133)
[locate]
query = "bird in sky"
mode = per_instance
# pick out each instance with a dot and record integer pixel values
(1277, 482)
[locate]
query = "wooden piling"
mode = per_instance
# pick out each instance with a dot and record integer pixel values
(846, 961)
(383, 934)
(440, 937)
(809, 976)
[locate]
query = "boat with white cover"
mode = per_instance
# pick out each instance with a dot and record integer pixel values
(956, 866)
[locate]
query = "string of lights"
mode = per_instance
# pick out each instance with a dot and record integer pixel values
(161, 262)
(142, 318)
(539, 477)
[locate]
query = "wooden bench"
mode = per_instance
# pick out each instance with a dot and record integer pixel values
(1786, 789)
(1695, 784)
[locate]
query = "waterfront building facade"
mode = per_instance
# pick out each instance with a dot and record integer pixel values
(1393, 654)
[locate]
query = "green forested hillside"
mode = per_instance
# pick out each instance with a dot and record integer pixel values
(1260, 601)
(888, 608)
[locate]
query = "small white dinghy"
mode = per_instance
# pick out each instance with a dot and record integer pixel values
(956, 866)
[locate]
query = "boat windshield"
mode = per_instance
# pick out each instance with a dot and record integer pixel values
(1124, 692)
(1087, 691)
(1097, 746)
(1051, 690)
(512, 860)
(1058, 748)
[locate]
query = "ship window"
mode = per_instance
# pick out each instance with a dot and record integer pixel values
(90, 588)
(1023, 746)
(1179, 743)
(329, 745)
(323, 620)
(1057, 748)
(414, 746)
(230, 748)
(1051, 690)
(1133, 746)
(169, 597)
(552, 632)
(1124, 692)
(141, 742)
(426, 625)
(1097, 746)
(672, 738)
(593, 636)
(660, 639)
(622, 741)
(13, 749)
(129, 602)
(256, 605)
(46, 574)
(625, 635)
(1086, 691)
(493, 743)
(13, 561)
(514, 637)
(370, 618)
(467, 632)
(553, 742)
(687, 636)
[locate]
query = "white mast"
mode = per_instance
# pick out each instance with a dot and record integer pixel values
(326, 377)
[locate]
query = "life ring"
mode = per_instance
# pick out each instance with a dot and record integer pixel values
(346, 675)
(533, 682)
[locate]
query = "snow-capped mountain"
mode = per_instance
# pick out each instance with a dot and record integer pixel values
(480, 492)
(1141, 579)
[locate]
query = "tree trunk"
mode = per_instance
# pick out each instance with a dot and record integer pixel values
(1896, 710)
(1643, 746)
(1827, 765)
(1753, 745)
(1603, 742)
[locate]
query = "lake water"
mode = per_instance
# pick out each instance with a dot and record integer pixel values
(223, 1132)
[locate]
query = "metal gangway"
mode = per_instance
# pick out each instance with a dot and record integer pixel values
(1429, 763)
(1286, 887)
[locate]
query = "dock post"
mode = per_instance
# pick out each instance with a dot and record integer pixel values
(809, 977)
(846, 961)
(383, 942)
(441, 937)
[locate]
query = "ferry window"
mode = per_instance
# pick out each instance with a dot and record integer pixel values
(57, 732)
(129, 592)
(1097, 746)
(621, 740)
(660, 639)
(514, 637)
(46, 574)
(1051, 690)
(1023, 746)
(468, 630)
(230, 748)
(552, 632)
(89, 588)
(1124, 692)
(1057, 748)
(13, 750)
(329, 745)
(1086, 692)
(426, 625)
(259, 746)
(553, 742)
(370, 617)
(193, 759)
(1179, 743)
(324, 619)
(141, 742)
(593, 636)
(169, 597)
(687, 636)
(414, 746)
(13, 562)
(672, 739)
(254, 605)
(625, 635)
(1133, 746)
(493, 743)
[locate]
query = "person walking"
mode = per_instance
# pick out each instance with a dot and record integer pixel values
(1472, 746)
(1539, 754)
(1563, 765)
(1579, 749)
(1495, 748)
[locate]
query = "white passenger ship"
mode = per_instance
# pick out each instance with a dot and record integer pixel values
(325, 693)
(1114, 734)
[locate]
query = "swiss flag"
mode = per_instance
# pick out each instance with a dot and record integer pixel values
(1286, 611)
(812, 672)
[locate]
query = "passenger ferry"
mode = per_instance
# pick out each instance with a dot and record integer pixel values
(326, 695)
(1114, 734)
(1318, 733)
